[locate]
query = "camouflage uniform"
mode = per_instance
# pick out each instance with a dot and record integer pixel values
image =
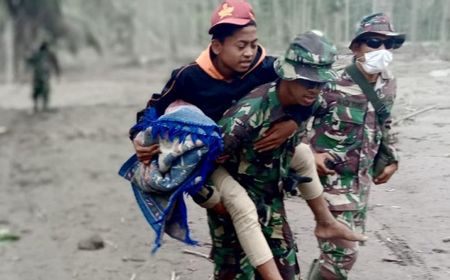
(43, 61)
(347, 127)
(261, 173)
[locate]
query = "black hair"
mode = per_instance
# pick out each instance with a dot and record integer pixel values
(221, 31)
(43, 46)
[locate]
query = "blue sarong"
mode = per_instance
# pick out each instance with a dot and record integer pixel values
(191, 142)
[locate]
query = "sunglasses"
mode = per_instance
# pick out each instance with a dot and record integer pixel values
(375, 43)
(311, 84)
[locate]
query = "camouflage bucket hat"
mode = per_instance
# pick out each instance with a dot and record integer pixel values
(309, 57)
(378, 23)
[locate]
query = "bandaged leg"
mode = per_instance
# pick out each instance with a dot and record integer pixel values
(245, 220)
(244, 216)
(304, 165)
(327, 226)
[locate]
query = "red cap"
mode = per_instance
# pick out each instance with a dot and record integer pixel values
(237, 12)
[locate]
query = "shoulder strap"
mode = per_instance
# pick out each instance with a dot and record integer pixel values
(367, 88)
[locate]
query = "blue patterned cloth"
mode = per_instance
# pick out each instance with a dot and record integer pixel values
(189, 143)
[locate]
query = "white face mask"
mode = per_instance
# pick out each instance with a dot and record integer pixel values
(376, 61)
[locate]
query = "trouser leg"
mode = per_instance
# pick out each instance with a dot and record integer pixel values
(45, 98)
(337, 255)
(35, 96)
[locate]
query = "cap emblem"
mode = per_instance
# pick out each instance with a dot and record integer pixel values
(226, 11)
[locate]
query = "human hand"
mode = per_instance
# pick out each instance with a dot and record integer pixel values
(276, 135)
(145, 153)
(336, 229)
(386, 174)
(322, 169)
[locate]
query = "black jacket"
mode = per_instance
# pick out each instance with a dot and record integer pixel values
(200, 84)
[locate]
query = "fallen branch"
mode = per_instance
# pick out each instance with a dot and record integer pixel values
(393, 261)
(187, 251)
(444, 108)
(131, 259)
(413, 114)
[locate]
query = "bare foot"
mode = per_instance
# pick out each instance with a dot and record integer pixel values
(335, 229)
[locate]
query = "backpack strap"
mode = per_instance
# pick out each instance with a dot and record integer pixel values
(381, 111)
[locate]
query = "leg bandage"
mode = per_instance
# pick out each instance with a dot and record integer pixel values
(244, 216)
(304, 164)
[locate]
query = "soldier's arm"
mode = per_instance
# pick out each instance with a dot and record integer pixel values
(30, 61)
(326, 159)
(280, 131)
(387, 146)
(54, 61)
(237, 128)
(276, 135)
(387, 150)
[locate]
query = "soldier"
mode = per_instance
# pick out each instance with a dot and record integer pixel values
(43, 62)
(349, 132)
(304, 70)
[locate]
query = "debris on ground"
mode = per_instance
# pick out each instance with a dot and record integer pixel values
(91, 243)
(7, 235)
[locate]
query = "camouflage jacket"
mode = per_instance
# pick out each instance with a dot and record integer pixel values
(258, 173)
(43, 62)
(346, 126)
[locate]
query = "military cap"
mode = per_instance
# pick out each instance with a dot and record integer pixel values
(309, 57)
(378, 23)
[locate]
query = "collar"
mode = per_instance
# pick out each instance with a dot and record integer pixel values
(205, 62)
(347, 85)
(277, 111)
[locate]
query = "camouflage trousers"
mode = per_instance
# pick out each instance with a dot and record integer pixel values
(41, 90)
(338, 256)
(231, 263)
